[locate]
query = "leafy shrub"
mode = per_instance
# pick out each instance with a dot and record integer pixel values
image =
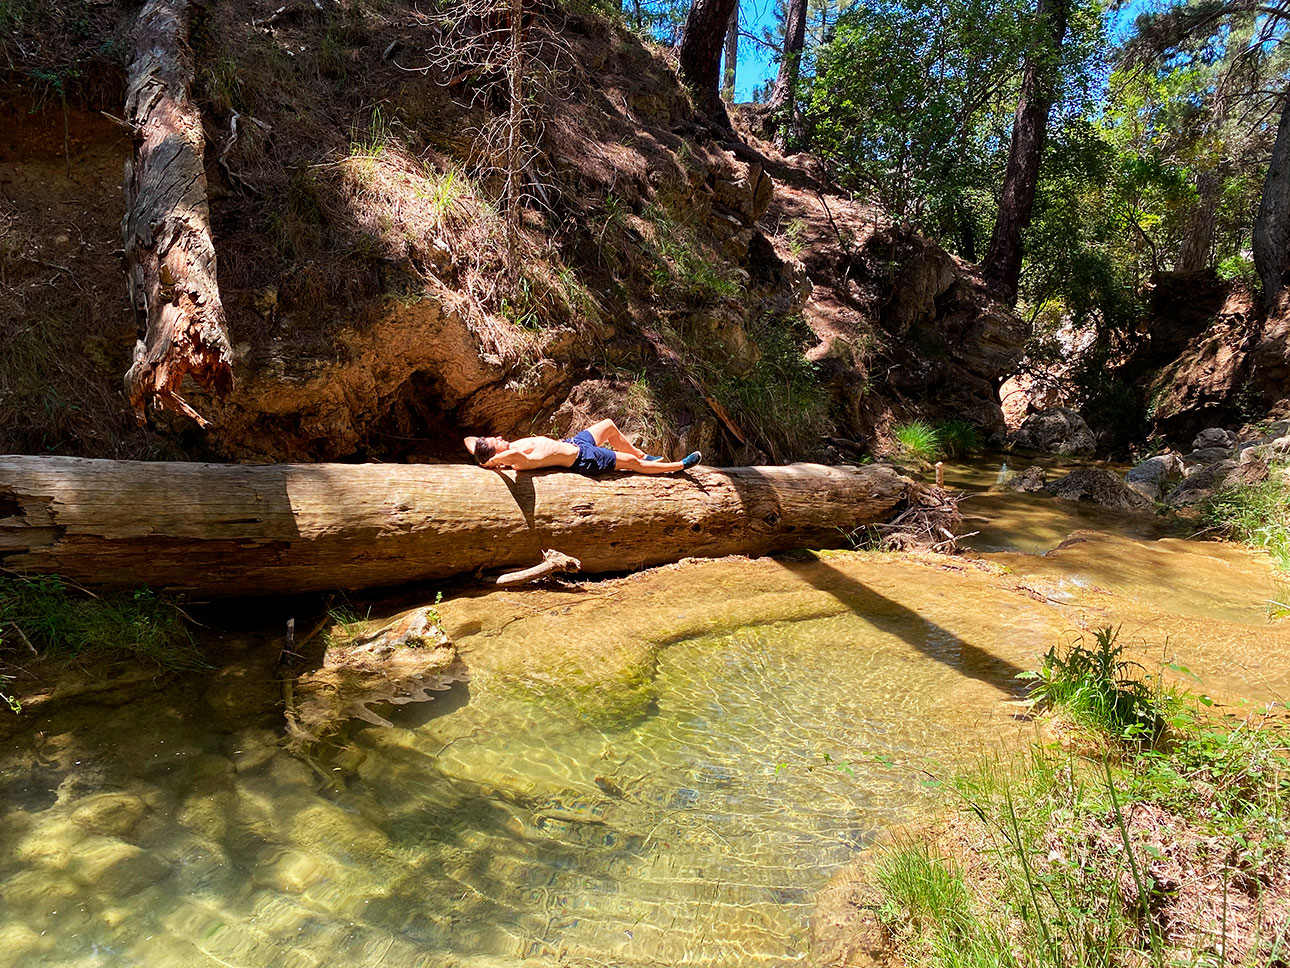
(918, 439)
(1237, 268)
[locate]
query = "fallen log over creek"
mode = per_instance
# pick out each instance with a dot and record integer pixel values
(233, 530)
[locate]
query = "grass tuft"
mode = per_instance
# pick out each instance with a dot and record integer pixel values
(919, 439)
(63, 623)
(1100, 689)
(958, 437)
(1257, 514)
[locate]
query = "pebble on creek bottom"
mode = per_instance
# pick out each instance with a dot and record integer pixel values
(293, 871)
(116, 868)
(38, 893)
(113, 814)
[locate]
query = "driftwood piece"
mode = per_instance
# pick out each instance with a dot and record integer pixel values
(553, 562)
(169, 250)
(220, 529)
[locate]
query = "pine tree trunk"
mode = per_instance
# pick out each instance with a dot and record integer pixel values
(1271, 235)
(731, 57)
(514, 139)
(226, 529)
(1198, 236)
(783, 97)
(169, 250)
(700, 58)
(1038, 87)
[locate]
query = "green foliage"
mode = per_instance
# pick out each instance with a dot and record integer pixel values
(958, 437)
(1075, 868)
(905, 91)
(919, 439)
(62, 622)
(701, 275)
(1100, 689)
(1257, 514)
(1239, 268)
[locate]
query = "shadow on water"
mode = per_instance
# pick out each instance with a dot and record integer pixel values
(932, 640)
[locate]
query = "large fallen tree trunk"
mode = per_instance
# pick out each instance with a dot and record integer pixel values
(169, 251)
(218, 529)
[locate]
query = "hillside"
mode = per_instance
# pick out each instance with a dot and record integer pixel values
(701, 289)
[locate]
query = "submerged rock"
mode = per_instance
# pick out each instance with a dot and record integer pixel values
(1100, 486)
(115, 814)
(405, 661)
(1056, 430)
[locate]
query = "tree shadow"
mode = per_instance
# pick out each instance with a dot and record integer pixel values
(932, 640)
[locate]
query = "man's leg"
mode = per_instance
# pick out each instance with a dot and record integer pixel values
(607, 434)
(630, 462)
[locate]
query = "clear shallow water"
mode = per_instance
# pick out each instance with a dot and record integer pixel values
(658, 771)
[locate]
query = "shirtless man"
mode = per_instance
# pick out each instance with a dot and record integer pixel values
(599, 449)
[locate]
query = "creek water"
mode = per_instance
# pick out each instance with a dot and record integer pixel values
(659, 770)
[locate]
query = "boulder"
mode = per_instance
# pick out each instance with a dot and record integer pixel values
(1201, 484)
(1156, 470)
(1214, 437)
(1030, 480)
(1100, 486)
(1056, 430)
(1205, 456)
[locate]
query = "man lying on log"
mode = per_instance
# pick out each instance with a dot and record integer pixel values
(599, 449)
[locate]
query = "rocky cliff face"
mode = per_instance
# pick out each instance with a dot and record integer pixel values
(1210, 356)
(694, 285)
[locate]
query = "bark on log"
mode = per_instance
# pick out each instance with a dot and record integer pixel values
(218, 529)
(170, 254)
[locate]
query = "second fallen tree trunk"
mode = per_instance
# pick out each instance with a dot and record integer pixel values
(169, 250)
(219, 529)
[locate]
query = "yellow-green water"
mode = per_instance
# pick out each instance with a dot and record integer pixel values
(662, 770)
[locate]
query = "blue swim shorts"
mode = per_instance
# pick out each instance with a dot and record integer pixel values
(591, 458)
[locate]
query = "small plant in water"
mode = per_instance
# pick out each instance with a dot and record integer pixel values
(1100, 689)
(918, 439)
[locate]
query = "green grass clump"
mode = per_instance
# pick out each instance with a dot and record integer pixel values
(958, 437)
(1257, 514)
(918, 438)
(927, 896)
(1100, 689)
(61, 622)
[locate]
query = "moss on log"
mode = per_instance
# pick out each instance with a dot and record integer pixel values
(219, 529)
